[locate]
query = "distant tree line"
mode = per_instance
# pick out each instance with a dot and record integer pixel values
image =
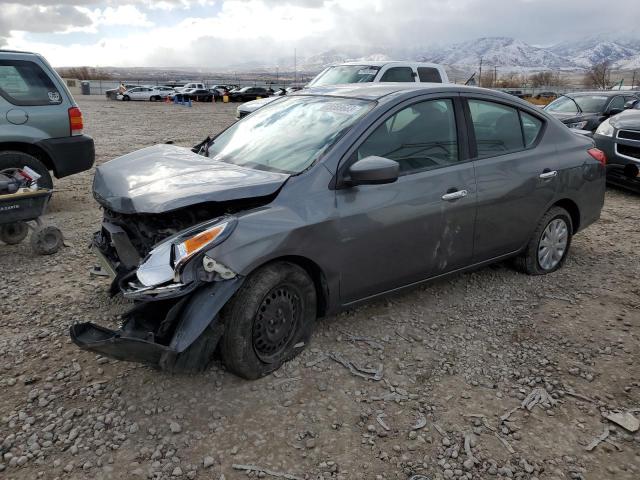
(84, 73)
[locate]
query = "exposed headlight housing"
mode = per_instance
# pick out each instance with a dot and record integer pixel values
(577, 125)
(166, 262)
(605, 129)
(206, 235)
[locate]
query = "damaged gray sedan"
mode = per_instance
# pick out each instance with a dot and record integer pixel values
(322, 200)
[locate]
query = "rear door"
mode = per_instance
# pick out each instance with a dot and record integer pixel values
(516, 175)
(420, 226)
(429, 74)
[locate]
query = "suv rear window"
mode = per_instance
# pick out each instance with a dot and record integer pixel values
(24, 83)
(429, 74)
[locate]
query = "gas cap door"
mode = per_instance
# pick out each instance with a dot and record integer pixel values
(17, 116)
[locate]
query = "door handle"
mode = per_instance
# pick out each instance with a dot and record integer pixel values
(546, 175)
(454, 195)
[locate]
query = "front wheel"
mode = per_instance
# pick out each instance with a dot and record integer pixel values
(269, 320)
(13, 233)
(126, 98)
(549, 245)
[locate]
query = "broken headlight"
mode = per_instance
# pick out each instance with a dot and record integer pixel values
(166, 262)
(189, 243)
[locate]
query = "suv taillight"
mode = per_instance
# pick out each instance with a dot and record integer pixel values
(598, 155)
(75, 121)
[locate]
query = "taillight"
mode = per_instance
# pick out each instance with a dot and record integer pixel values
(75, 121)
(598, 155)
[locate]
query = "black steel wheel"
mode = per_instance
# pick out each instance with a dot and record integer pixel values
(14, 233)
(269, 320)
(276, 321)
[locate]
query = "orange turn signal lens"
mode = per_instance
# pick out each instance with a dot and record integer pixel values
(193, 244)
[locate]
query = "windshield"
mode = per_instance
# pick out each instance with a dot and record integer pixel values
(587, 103)
(289, 135)
(345, 74)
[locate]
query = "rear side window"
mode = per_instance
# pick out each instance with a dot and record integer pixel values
(497, 128)
(429, 74)
(24, 83)
(531, 127)
(398, 74)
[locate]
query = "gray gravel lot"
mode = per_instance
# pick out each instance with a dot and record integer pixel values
(456, 356)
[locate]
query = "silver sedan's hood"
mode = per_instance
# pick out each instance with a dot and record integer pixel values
(162, 178)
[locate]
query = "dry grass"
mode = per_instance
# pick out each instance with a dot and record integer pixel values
(539, 101)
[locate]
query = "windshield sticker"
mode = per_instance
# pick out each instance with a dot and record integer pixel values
(367, 71)
(54, 96)
(344, 108)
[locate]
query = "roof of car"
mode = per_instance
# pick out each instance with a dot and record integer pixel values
(607, 93)
(376, 91)
(386, 62)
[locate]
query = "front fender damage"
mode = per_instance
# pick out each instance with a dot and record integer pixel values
(175, 335)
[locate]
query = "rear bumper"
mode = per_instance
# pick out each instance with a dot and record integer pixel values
(69, 155)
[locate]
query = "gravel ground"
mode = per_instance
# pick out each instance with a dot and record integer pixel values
(457, 355)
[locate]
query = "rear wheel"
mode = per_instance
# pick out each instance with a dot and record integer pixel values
(16, 159)
(549, 245)
(269, 320)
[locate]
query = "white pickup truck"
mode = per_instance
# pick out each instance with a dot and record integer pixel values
(362, 72)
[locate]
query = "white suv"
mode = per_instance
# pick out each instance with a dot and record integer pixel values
(363, 72)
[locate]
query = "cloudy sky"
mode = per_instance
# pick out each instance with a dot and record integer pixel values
(217, 33)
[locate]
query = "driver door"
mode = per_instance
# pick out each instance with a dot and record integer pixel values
(420, 226)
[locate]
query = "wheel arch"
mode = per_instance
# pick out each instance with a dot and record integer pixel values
(32, 150)
(574, 211)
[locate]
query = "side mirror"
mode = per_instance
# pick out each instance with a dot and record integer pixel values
(374, 170)
(615, 111)
(630, 104)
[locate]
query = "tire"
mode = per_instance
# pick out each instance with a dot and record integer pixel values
(17, 159)
(252, 346)
(13, 233)
(126, 98)
(529, 261)
(46, 240)
(152, 99)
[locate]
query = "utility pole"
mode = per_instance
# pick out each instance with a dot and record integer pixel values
(633, 80)
(480, 74)
(495, 75)
(295, 67)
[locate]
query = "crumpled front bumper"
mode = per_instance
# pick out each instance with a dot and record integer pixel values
(160, 333)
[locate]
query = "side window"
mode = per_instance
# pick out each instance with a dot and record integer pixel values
(429, 74)
(24, 83)
(420, 137)
(497, 128)
(398, 74)
(531, 127)
(617, 102)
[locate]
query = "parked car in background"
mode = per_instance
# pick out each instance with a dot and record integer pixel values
(151, 94)
(546, 95)
(619, 138)
(41, 126)
(325, 199)
(587, 110)
(112, 93)
(391, 71)
(190, 86)
(248, 93)
(198, 94)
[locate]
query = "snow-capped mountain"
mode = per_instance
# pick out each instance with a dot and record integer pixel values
(505, 53)
(591, 50)
(496, 51)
